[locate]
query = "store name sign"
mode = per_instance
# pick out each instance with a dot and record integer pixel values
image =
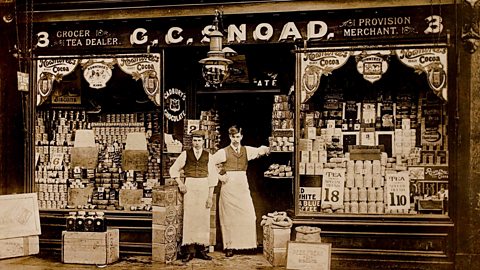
(238, 34)
(366, 24)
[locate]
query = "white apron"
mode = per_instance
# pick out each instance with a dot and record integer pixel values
(196, 217)
(237, 214)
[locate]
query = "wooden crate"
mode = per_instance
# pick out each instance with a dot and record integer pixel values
(165, 253)
(19, 246)
(163, 234)
(275, 237)
(164, 215)
(90, 247)
(275, 240)
(276, 256)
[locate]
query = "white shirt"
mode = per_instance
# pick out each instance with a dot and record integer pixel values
(179, 163)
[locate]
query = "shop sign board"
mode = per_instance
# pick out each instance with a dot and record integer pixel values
(398, 191)
(309, 199)
(309, 255)
(333, 187)
(421, 22)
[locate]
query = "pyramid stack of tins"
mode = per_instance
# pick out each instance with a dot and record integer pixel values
(276, 234)
(364, 186)
(167, 220)
(308, 234)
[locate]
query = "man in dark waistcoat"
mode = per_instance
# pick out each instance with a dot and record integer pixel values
(236, 210)
(200, 179)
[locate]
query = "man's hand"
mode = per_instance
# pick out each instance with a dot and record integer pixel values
(209, 202)
(264, 150)
(182, 188)
(223, 178)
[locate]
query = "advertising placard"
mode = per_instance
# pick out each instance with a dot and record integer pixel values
(309, 199)
(333, 187)
(398, 191)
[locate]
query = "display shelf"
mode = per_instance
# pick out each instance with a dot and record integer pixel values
(278, 177)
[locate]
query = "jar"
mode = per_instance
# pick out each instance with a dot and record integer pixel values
(90, 222)
(80, 222)
(71, 221)
(100, 225)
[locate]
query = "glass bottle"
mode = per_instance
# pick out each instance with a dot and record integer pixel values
(100, 225)
(90, 222)
(80, 222)
(71, 221)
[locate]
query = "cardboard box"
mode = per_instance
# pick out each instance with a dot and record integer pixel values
(90, 247)
(19, 246)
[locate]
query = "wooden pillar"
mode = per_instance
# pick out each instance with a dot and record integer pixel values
(467, 187)
(11, 127)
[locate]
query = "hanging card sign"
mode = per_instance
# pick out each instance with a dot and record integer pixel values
(398, 192)
(174, 104)
(50, 70)
(316, 64)
(98, 72)
(333, 187)
(432, 61)
(146, 68)
(372, 65)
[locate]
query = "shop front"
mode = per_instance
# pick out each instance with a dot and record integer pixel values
(357, 107)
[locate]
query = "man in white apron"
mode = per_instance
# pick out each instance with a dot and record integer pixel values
(236, 211)
(200, 179)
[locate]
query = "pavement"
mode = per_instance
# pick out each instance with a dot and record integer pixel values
(219, 262)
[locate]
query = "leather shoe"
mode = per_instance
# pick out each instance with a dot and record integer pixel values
(203, 255)
(228, 253)
(188, 258)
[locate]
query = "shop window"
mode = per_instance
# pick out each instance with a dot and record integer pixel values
(87, 111)
(372, 132)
